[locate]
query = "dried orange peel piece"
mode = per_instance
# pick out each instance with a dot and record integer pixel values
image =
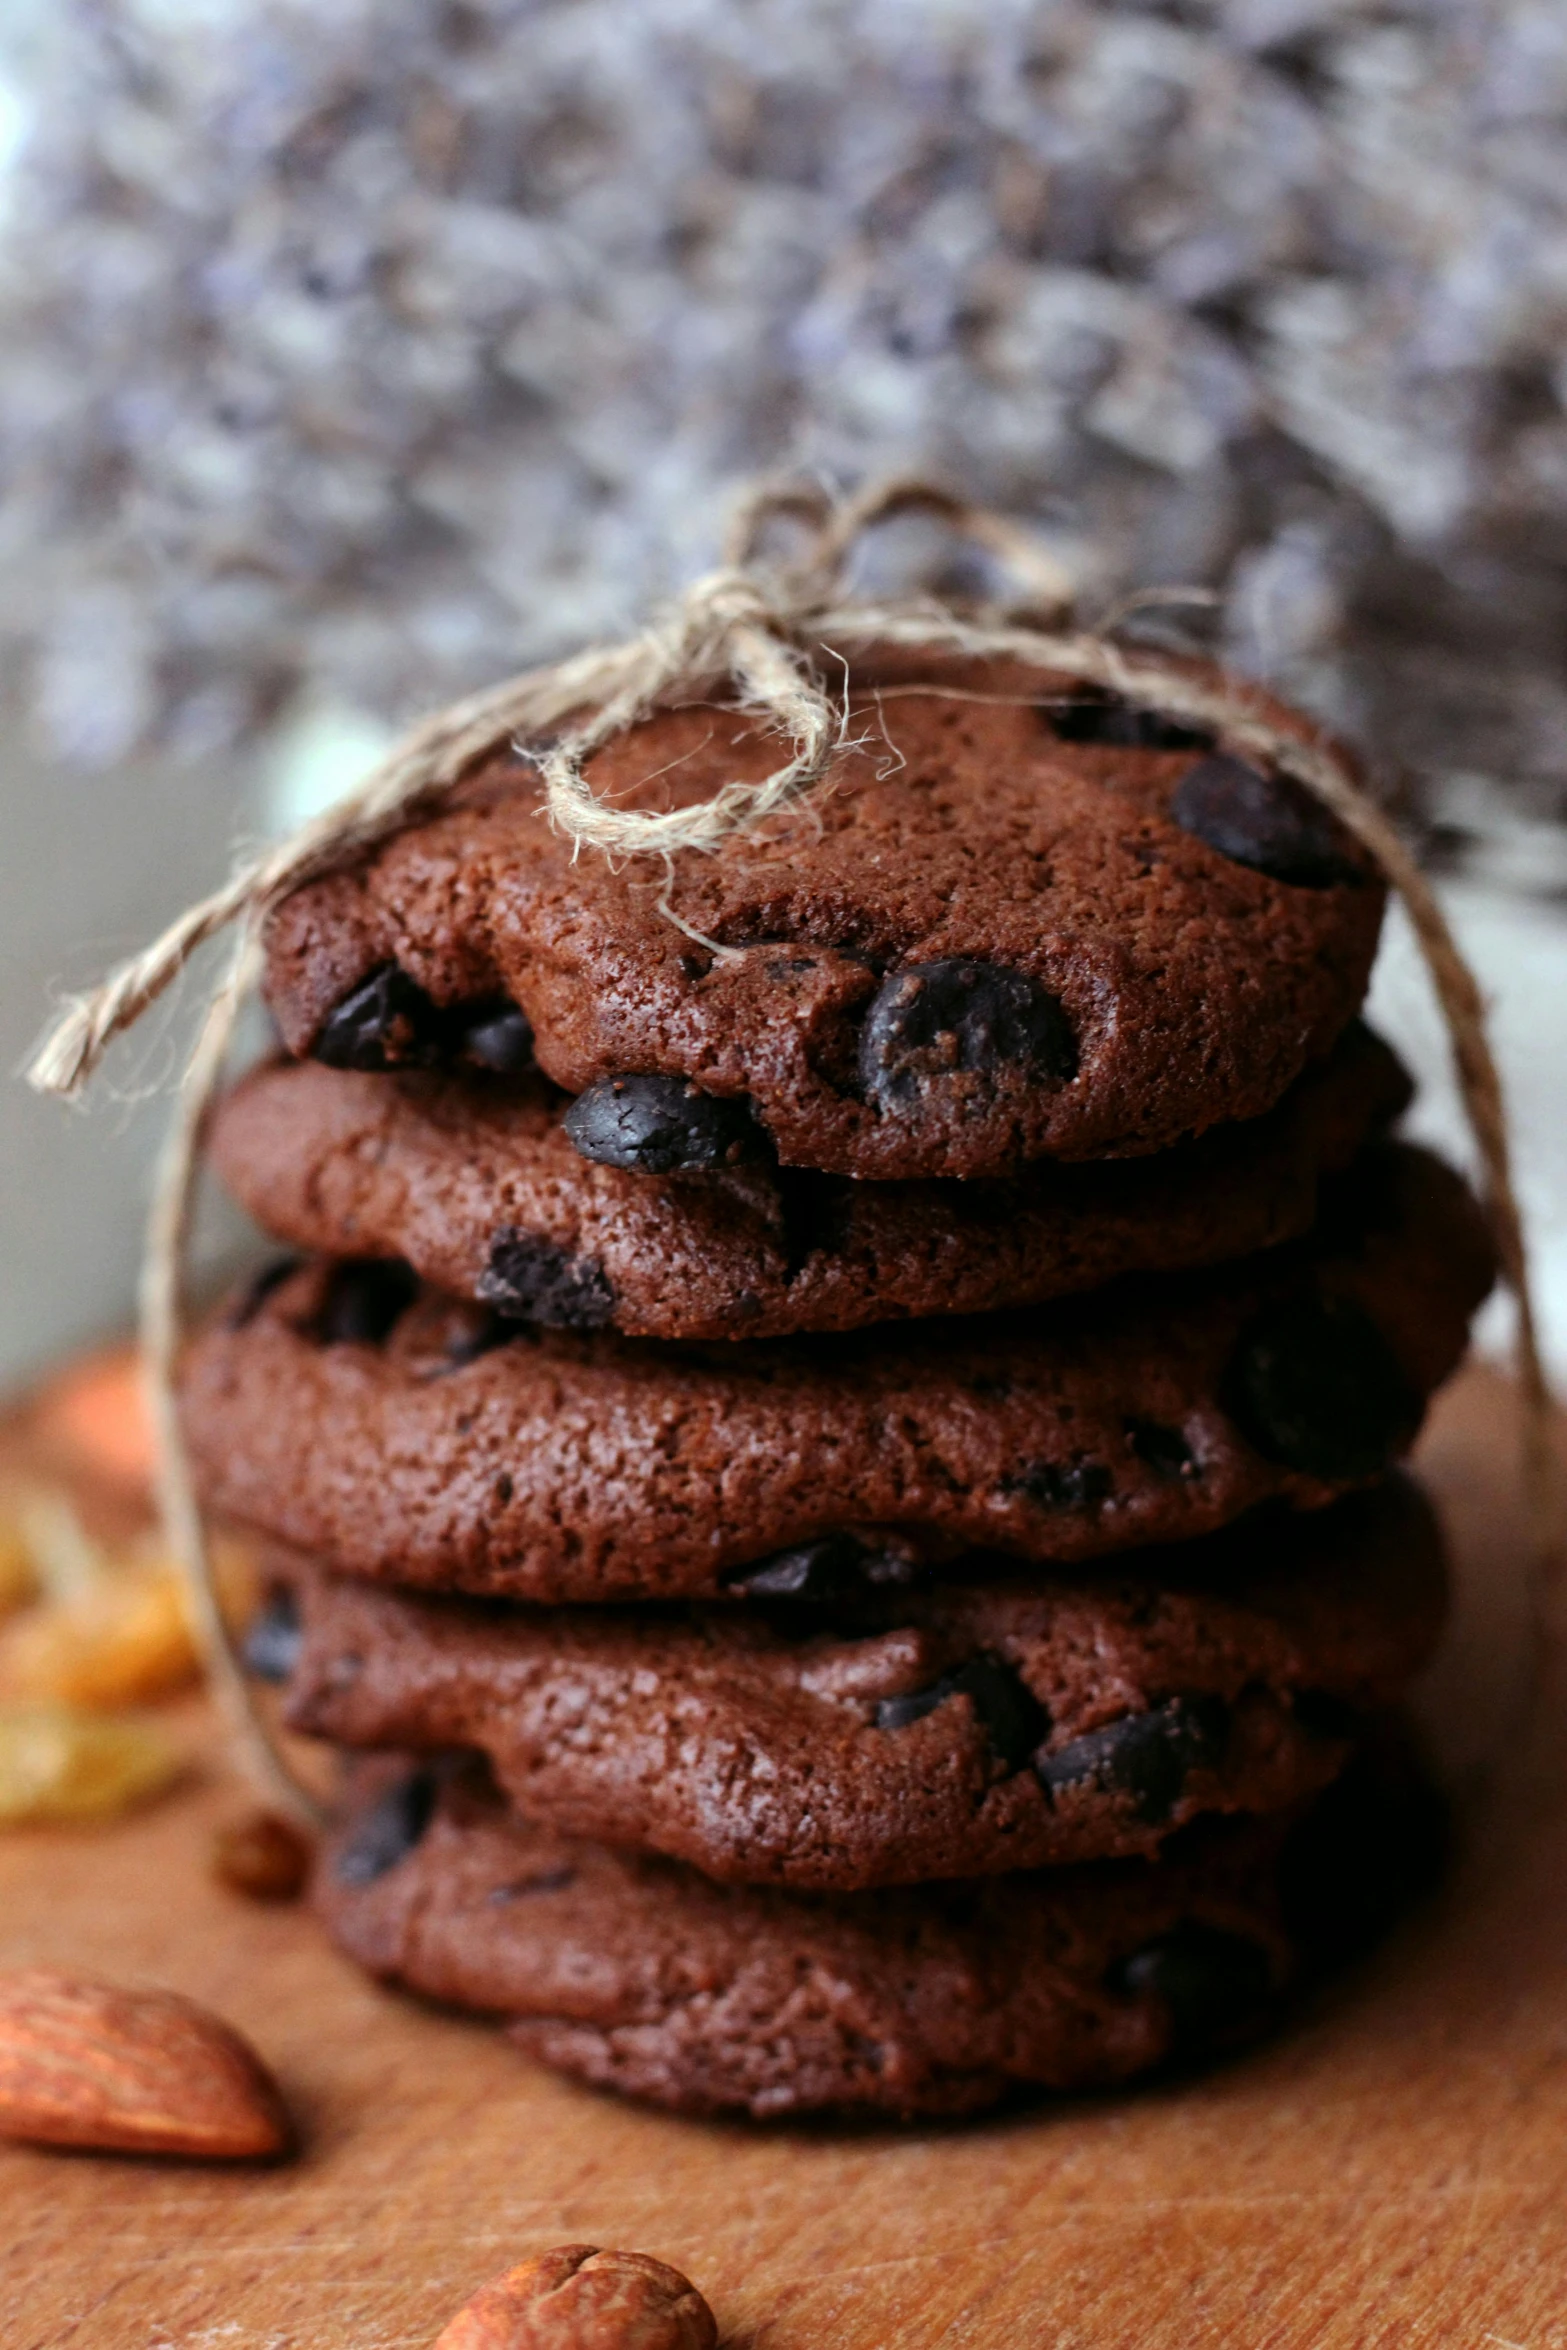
(112, 1630)
(94, 1413)
(59, 1764)
(126, 1641)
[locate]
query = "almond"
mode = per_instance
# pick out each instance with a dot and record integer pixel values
(138, 2072)
(577, 2298)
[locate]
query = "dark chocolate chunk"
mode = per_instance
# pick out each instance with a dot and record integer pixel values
(1148, 1756)
(1215, 1985)
(661, 1125)
(1095, 716)
(834, 1567)
(272, 1643)
(1006, 1708)
(827, 1569)
(1068, 1485)
(538, 1282)
(499, 1038)
(389, 1830)
(363, 1301)
(386, 1022)
(1314, 1385)
(1163, 1449)
(1269, 822)
(936, 1018)
(257, 1290)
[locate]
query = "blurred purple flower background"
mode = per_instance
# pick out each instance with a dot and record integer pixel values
(376, 348)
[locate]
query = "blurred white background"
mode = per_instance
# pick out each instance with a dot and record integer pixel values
(92, 864)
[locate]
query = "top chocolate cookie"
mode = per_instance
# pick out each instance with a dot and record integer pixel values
(1017, 920)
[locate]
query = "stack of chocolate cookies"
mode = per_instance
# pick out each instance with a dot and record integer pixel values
(833, 1452)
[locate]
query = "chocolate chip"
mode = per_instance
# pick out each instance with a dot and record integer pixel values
(500, 1039)
(386, 1022)
(257, 1290)
(363, 1301)
(1007, 1709)
(1164, 1450)
(1147, 1755)
(1269, 822)
(1216, 1986)
(1063, 1485)
(1099, 717)
(271, 1645)
(835, 1567)
(389, 1830)
(936, 1018)
(538, 1282)
(1314, 1385)
(823, 1570)
(661, 1125)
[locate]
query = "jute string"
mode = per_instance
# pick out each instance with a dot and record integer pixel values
(763, 634)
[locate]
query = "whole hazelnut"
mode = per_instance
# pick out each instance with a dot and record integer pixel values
(578, 2298)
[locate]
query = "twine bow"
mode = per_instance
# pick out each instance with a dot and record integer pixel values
(756, 631)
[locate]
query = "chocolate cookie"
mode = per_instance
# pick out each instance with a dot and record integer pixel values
(1018, 920)
(476, 1183)
(1000, 1722)
(637, 1974)
(398, 1434)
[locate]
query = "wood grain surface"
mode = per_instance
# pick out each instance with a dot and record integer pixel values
(1392, 2172)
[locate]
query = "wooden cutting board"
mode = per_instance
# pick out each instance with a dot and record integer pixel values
(1392, 2172)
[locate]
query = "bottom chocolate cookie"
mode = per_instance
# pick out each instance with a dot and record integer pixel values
(636, 1973)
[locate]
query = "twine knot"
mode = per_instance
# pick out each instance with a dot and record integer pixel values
(728, 629)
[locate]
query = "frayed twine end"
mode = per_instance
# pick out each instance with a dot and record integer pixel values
(68, 1052)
